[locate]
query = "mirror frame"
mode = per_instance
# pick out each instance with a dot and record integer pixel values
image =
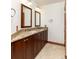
(22, 16)
(39, 19)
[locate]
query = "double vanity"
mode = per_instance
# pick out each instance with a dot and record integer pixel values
(27, 43)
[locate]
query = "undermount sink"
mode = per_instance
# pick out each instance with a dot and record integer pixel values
(25, 31)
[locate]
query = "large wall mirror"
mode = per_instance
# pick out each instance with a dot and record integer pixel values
(37, 19)
(26, 16)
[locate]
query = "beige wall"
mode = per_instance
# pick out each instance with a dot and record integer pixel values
(53, 17)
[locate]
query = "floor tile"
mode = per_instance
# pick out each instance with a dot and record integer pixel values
(52, 51)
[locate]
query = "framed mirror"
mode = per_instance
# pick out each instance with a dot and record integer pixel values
(37, 19)
(26, 16)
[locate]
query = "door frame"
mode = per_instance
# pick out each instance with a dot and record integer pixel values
(65, 30)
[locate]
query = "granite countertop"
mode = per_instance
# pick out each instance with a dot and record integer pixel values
(23, 33)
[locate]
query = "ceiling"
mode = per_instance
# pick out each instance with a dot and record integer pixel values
(45, 2)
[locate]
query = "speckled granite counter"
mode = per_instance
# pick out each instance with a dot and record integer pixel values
(23, 33)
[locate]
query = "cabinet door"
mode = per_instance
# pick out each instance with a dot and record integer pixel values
(39, 38)
(17, 50)
(46, 36)
(35, 45)
(12, 49)
(29, 48)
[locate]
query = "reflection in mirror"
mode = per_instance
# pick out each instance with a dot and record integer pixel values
(26, 16)
(37, 19)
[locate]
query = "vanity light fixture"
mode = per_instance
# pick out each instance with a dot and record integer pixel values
(29, 3)
(38, 9)
(26, 2)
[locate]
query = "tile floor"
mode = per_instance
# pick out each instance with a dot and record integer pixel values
(52, 51)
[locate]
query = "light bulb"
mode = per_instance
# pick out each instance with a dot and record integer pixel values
(38, 9)
(29, 3)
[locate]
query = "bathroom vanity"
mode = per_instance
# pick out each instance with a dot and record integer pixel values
(26, 44)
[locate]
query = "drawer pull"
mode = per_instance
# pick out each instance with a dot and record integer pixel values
(25, 40)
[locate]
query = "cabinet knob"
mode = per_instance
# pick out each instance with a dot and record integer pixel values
(25, 40)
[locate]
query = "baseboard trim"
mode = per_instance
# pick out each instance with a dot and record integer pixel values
(56, 43)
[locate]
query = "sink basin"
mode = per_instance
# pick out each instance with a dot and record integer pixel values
(24, 31)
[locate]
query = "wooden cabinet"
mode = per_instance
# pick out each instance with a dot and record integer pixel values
(23, 49)
(29, 47)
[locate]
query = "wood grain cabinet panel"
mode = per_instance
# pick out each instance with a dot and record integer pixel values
(29, 48)
(36, 44)
(18, 50)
